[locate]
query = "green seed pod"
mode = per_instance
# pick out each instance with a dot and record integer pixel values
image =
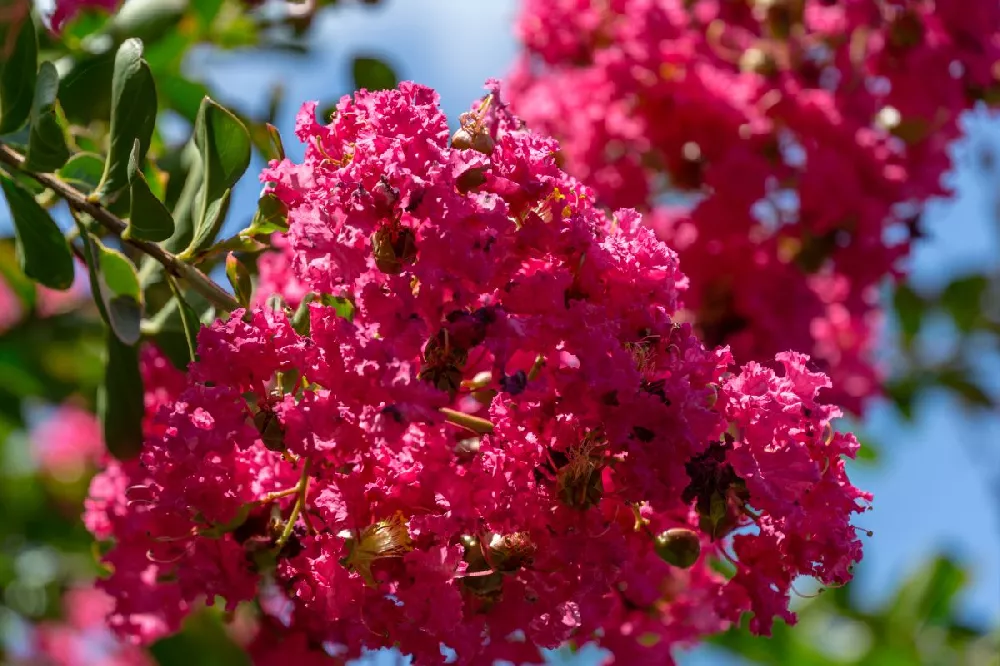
(678, 546)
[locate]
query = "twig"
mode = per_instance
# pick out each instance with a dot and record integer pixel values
(78, 201)
(300, 502)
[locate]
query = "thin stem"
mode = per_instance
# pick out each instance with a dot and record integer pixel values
(300, 502)
(467, 421)
(79, 202)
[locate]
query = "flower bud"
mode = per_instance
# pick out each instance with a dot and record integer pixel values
(678, 546)
(470, 179)
(462, 140)
(394, 249)
(483, 143)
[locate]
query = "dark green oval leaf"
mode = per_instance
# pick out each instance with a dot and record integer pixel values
(910, 307)
(83, 171)
(149, 219)
(120, 400)
(17, 72)
(224, 145)
(373, 74)
(47, 149)
(271, 216)
(115, 285)
(41, 247)
(963, 298)
(239, 279)
(133, 115)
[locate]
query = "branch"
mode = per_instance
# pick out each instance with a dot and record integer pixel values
(78, 201)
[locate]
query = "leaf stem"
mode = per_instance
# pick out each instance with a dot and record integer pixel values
(300, 503)
(79, 202)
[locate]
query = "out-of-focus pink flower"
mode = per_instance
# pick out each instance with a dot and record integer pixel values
(83, 637)
(11, 309)
(66, 10)
(67, 442)
(790, 141)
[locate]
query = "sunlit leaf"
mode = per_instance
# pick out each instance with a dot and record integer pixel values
(224, 145)
(133, 115)
(149, 219)
(83, 171)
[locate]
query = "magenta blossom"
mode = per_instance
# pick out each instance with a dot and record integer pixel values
(490, 433)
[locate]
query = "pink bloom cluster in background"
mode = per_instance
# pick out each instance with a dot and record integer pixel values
(491, 433)
(67, 10)
(783, 148)
(68, 442)
(83, 636)
(48, 302)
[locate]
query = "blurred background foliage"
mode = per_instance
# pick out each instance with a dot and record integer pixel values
(51, 351)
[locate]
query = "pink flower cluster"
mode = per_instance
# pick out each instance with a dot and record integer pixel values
(784, 148)
(83, 636)
(68, 442)
(491, 434)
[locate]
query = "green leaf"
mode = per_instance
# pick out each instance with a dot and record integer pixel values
(83, 171)
(271, 216)
(14, 278)
(928, 595)
(343, 306)
(115, 285)
(277, 147)
(963, 298)
(189, 321)
(148, 218)
(176, 325)
(239, 279)
(17, 71)
(181, 94)
(961, 383)
(47, 149)
(133, 116)
(301, 320)
(203, 634)
(224, 145)
(206, 11)
(910, 308)
(373, 74)
(42, 249)
(120, 400)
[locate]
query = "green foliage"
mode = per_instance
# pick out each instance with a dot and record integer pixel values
(224, 148)
(148, 218)
(372, 74)
(120, 399)
(17, 74)
(918, 626)
(114, 282)
(41, 248)
(47, 149)
(133, 117)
